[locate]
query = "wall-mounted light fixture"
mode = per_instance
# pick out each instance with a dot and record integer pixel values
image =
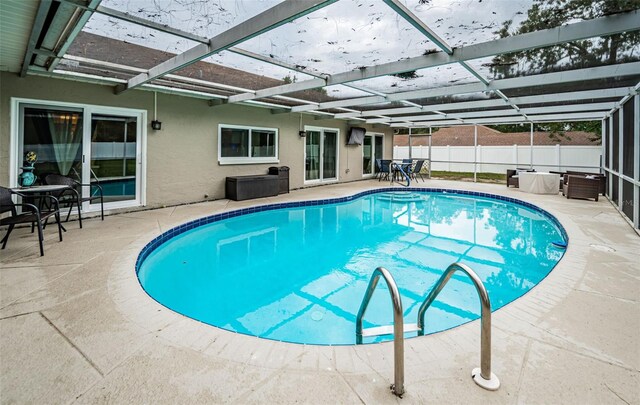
(155, 124)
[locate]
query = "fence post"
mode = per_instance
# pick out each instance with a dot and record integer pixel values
(558, 156)
(515, 155)
(479, 158)
(448, 158)
(475, 153)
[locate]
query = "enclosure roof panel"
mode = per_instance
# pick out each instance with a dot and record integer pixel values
(394, 62)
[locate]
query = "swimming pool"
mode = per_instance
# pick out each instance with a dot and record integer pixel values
(297, 272)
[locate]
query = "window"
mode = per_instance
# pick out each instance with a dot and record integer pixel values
(242, 145)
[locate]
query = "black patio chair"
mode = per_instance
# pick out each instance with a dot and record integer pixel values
(417, 169)
(34, 216)
(73, 194)
(384, 168)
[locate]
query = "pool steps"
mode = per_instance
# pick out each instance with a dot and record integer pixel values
(401, 196)
(388, 330)
(482, 375)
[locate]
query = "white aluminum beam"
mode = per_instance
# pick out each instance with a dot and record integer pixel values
(79, 25)
(543, 98)
(429, 108)
(506, 120)
(485, 114)
(568, 76)
(573, 96)
(541, 118)
(576, 75)
(267, 20)
(126, 68)
(36, 29)
(203, 40)
(139, 21)
(150, 24)
(387, 111)
(405, 13)
(290, 66)
(339, 103)
(570, 108)
(88, 78)
(442, 123)
(581, 30)
(425, 30)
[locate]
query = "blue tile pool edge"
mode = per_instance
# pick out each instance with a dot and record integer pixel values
(171, 233)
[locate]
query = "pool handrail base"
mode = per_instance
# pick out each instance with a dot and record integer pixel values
(398, 324)
(483, 375)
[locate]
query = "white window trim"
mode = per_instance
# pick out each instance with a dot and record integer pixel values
(247, 160)
(373, 157)
(304, 156)
(87, 110)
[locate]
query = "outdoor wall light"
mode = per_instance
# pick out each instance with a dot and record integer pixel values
(156, 125)
(302, 134)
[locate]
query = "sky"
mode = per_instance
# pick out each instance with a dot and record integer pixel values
(340, 37)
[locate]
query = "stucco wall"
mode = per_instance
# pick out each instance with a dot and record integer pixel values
(182, 158)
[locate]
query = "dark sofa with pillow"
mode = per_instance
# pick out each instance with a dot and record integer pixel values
(602, 179)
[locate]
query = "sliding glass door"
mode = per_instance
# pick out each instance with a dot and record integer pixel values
(321, 155)
(97, 145)
(371, 150)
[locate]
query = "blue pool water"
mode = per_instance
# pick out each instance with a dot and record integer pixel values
(298, 274)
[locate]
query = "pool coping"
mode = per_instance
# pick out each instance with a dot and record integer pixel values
(193, 332)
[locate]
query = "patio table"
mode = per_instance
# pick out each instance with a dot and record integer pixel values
(35, 190)
(44, 189)
(539, 182)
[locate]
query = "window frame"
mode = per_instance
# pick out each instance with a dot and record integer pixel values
(247, 160)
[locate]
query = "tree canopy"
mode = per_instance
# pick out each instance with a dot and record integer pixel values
(557, 130)
(590, 52)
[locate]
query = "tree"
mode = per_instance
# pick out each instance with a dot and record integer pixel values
(543, 14)
(590, 52)
(557, 130)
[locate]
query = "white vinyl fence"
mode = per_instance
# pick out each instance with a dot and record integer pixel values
(497, 159)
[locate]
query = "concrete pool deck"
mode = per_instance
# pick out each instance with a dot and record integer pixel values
(75, 326)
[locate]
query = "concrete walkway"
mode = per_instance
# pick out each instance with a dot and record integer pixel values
(75, 326)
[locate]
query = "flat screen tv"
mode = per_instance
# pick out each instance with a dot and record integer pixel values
(356, 136)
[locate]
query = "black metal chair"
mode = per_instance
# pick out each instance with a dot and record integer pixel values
(417, 169)
(384, 168)
(73, 195)
(34, 216)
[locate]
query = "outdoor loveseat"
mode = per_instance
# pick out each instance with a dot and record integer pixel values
(579, 186)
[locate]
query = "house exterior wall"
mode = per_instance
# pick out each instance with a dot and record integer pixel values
(182, 159)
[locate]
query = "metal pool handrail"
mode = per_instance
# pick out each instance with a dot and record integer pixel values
(483, 376)
(398, 324)
(399, 168)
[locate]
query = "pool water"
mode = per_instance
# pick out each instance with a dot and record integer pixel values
(299, 274)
